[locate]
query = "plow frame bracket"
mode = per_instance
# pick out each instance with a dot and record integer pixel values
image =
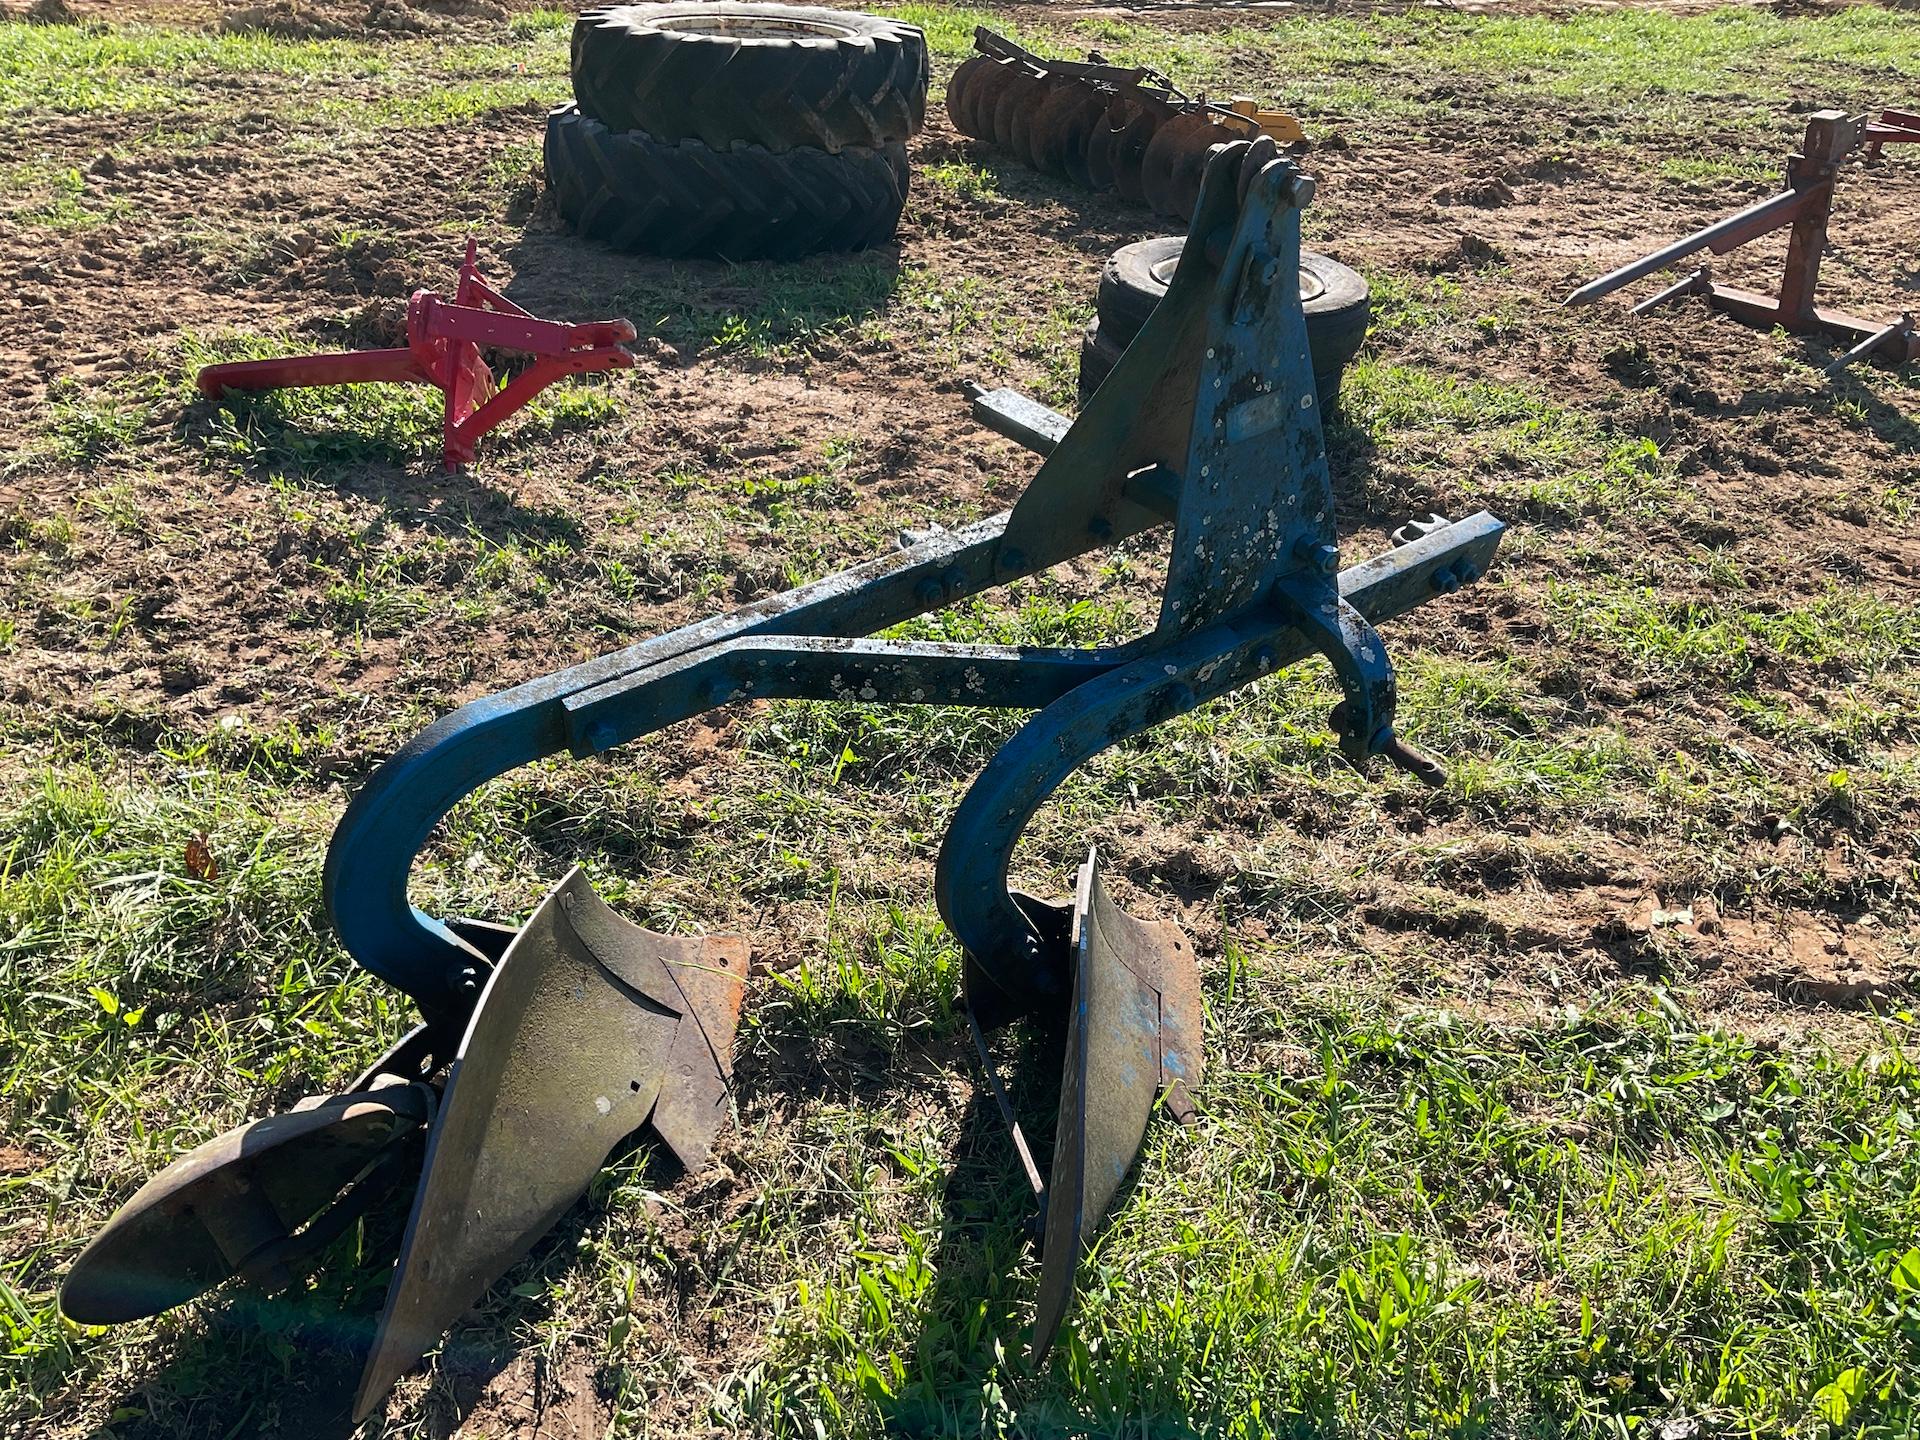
(1208, 421)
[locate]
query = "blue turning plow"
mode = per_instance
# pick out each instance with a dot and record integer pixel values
(542, 1050)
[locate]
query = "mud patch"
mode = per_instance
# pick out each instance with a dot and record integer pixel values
(556, 1397)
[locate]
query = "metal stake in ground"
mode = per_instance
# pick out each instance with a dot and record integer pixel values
(558, 1040)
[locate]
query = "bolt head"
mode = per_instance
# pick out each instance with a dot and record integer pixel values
(1317, 555)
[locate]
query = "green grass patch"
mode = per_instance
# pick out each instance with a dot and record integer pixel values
(66, 201)
(94, 69)
(438, 103)
(1366, 67)
(540, 22)
(87, 428)
(949, 28)
(1847, 634)
(1393, 1219)
(1518, 445)
(961, 179)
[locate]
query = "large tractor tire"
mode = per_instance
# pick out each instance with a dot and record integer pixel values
(779, 76)
(686, 199)
(1333, 295)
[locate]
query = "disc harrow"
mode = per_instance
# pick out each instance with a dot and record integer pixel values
(543, 1049)
(1102, 126)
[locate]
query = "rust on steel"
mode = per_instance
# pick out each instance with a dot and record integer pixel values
(1102, 126)
(1804, 208)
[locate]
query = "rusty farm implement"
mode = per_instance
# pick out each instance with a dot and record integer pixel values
(542, 1049)
(1803, 209)
(1105, 127)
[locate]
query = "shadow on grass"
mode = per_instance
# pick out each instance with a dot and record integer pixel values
(697, 306)
(974, 1333)
(989, 1223)
(1891, 423)
(282, 1365)
(379, 443)
(762, 308)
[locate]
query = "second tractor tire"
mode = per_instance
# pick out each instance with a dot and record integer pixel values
(684, 198)
(778, 76)
(1134, 279)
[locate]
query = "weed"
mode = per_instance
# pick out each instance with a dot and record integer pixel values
(537, 22)
(72, 205)
(958, 177)
(88, 428)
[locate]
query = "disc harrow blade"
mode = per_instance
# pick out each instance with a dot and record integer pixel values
(1133, 1034)
(958, 88)
(1019, 92)
(589, 1028)
(1063, 127)
(1172, 164)
(974, 117)
(1101, 138)
(1128, 147)
(1025, 134)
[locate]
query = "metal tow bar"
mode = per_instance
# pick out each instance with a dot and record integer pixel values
(544, 1049)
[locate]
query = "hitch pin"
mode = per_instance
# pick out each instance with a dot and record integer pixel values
(1403, 755)
(1400, 753)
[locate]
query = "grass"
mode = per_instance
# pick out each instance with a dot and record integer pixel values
(1665, 1178)
(67, 204)
(1660, 62)
(1843, 635)
(1595, 1218)
(1481, 1151)
(92, 70)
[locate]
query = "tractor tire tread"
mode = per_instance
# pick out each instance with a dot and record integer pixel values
(858, 81)
(687, 199)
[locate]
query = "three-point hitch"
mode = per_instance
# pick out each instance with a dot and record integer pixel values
(1803, 209)
(444, 340)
